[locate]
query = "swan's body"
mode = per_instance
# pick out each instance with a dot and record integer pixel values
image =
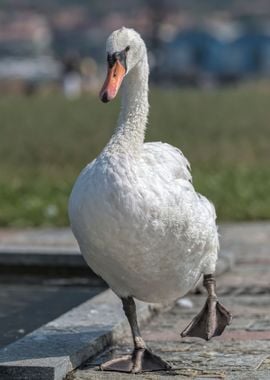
(141, 226)
(137, 218)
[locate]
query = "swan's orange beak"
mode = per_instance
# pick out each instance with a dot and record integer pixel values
(113, 82)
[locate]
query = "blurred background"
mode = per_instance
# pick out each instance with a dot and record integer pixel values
(210, 93)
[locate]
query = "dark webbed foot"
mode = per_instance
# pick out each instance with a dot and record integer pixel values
(212, 319)
(141, 360)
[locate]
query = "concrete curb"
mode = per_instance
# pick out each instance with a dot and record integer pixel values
(41, 256)
(52, 351)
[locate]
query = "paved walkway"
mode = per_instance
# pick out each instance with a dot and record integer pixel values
(243, 352)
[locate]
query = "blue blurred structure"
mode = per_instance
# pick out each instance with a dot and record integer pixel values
(196, 53)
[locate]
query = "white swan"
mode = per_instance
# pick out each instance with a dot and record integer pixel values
(137, 218)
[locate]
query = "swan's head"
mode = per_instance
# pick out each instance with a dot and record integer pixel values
(125, 49)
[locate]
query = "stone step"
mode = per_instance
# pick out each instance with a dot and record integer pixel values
(52, 351)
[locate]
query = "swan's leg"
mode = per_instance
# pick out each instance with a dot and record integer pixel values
(213, 318)
(142, 359)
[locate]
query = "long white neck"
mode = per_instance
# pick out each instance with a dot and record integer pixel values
(129, 133)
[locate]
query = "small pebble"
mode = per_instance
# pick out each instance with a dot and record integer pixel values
(185, 303)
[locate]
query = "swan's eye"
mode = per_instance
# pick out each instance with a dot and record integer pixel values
(127, 48)
(117, 56)
(110, 60)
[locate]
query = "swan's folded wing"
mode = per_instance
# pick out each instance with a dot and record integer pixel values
(168, 159)
(208, 205)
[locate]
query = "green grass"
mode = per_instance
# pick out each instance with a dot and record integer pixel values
(45, 142)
